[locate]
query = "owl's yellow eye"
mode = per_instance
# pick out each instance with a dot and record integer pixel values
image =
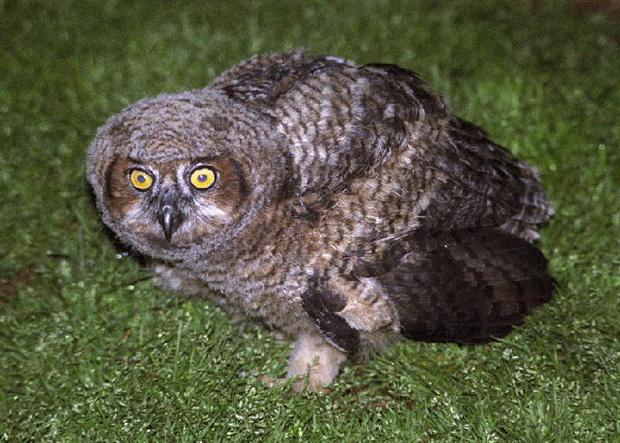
(202, 178)
(140, 179)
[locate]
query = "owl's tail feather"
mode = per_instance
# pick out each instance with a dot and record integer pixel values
(466, 286)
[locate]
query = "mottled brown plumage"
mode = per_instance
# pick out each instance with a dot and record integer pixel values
(345, 206)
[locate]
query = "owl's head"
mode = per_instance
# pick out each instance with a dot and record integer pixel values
(183, 173)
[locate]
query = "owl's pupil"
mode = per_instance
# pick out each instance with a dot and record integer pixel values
(202, 178)
(141, 178)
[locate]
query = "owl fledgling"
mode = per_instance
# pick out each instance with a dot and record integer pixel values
(342, 205)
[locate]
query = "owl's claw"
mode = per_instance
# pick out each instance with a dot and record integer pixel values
(300, 384)
(270, 381)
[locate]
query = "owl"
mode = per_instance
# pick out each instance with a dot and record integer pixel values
(344, 206)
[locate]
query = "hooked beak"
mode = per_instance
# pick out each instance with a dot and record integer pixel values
(168, 216)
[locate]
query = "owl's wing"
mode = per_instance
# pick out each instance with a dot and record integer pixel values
(474, 182)
(477, 183)
(467, 272)
(464, 285)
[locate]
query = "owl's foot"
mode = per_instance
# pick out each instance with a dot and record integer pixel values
(316, 361)
(313, 364)
(299, 384)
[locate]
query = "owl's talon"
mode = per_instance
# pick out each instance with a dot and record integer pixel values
(300, 383)
(270, 381)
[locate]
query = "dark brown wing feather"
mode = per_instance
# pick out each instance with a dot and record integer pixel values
(482, 184)
(466, 286)
(322, 307)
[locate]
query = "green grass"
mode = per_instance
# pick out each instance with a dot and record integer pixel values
(90, 350)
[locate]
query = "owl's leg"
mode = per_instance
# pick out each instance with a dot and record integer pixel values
(313, 364)
(313, 357)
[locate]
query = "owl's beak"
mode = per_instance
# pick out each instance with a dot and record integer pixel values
(168, 216)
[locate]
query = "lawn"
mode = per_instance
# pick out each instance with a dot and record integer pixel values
(90, 350)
